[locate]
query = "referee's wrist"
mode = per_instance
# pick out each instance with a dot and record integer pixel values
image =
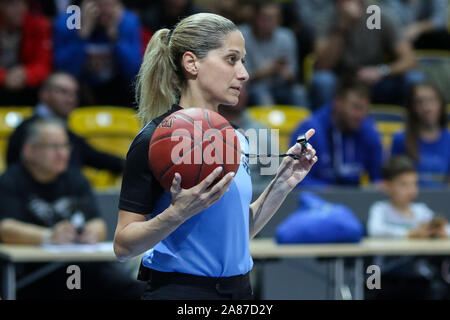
(173, 215)
(281, 186)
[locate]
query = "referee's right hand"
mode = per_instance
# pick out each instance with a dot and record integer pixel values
(189, 202)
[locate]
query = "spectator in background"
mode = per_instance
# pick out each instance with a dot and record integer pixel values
(423, 21)
(51, 8)
(37, 194)
(160, 14)
(104, 54)
(302, 16)
(426, 139)
(272, 59)
(307, 12)
(238, 11)
(238, 116)
(58, 98)
(50, 203)
(346, 141)
(400, 217)
(25, 53)
(345, 45)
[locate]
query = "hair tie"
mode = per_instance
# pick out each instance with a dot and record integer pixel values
(169, 35)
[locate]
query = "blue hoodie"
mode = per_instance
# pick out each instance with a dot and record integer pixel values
(71, 52)
(433, 165)
(343, 157)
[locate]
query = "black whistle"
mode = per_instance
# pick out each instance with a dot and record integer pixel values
(302, 140)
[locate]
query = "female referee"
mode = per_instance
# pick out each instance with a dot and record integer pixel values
(196, 241)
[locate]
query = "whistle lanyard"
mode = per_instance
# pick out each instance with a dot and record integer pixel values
(300, 139)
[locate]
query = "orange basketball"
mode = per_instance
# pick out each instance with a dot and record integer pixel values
(193, 142)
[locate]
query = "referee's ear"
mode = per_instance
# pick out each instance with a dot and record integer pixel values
(190, 63)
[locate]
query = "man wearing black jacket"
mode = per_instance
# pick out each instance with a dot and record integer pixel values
(48, 202)
(58, 97)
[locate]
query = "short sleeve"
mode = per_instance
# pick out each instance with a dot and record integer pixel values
(140, 189)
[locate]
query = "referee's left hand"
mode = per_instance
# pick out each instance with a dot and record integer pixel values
(293, 171)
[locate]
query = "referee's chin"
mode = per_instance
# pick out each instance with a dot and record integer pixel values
(231, 102)
(232, 99)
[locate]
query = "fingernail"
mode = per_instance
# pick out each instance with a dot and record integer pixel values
(219, 169)
(297, 146)
(232, 174)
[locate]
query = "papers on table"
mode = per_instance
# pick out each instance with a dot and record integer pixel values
(76, 247)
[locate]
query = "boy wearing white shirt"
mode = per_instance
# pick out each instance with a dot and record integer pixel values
(400, 217)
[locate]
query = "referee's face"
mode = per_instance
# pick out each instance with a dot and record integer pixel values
(222, 74)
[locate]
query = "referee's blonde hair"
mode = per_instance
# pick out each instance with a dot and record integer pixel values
(161, 77)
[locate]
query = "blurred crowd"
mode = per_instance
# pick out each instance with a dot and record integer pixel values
(105, 52)
(322, 55)
(337, 58)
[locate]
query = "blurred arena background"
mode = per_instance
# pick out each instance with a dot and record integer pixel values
(36, 43)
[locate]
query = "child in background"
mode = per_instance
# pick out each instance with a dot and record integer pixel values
(400, 217)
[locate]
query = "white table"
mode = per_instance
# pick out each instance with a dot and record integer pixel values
(266, 248)
(262, 249)
(13, 254)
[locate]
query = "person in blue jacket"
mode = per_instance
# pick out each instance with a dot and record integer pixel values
(346, 139)
(426, 139)
(104, 53)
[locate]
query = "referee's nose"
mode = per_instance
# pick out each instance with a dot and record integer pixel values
(242, 73)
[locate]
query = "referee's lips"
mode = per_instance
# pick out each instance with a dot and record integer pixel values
(238, 89)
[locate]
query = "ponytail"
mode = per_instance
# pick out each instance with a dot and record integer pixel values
(156, 84)
(162, 77)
